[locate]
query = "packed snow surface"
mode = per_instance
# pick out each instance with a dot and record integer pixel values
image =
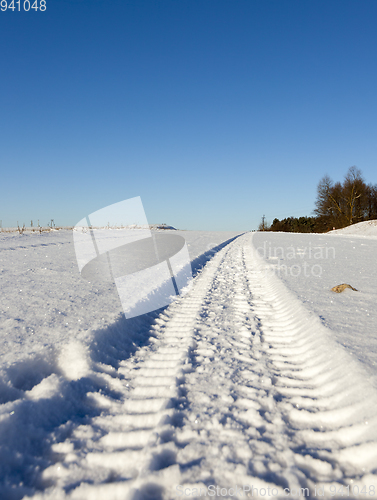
(258, 382)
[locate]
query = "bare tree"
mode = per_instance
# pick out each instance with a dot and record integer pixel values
(323, 204)
(354, 193)
(339, 204)
(371, 202)
(329, 203)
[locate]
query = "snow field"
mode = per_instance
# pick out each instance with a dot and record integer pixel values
(61, 343)
(350, 316)
(236, 383)
(242, 386)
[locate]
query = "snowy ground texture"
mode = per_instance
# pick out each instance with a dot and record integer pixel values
(259, 382)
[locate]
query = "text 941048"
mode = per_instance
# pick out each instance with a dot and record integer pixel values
(23, 5)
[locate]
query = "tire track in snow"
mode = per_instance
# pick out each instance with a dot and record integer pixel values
(274, 401)
(326, 399)
(243, 386)
(228, 438)
(126, 445)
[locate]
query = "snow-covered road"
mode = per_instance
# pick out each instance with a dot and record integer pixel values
(239, 387)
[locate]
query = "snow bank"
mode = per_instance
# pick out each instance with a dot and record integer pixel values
(366, 228)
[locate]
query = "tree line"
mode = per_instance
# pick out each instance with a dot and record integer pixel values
(337, 205)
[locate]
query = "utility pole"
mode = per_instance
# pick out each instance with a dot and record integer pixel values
(263, 226)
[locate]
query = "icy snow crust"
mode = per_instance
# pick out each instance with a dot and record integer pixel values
(251, 380)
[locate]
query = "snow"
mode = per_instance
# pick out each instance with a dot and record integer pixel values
(364, 229)
(259, 381)
(45, 303)
(310, 265)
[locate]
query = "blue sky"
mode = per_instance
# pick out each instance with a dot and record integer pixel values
(215, 112)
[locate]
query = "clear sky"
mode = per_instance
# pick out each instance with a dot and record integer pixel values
(215, 112)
